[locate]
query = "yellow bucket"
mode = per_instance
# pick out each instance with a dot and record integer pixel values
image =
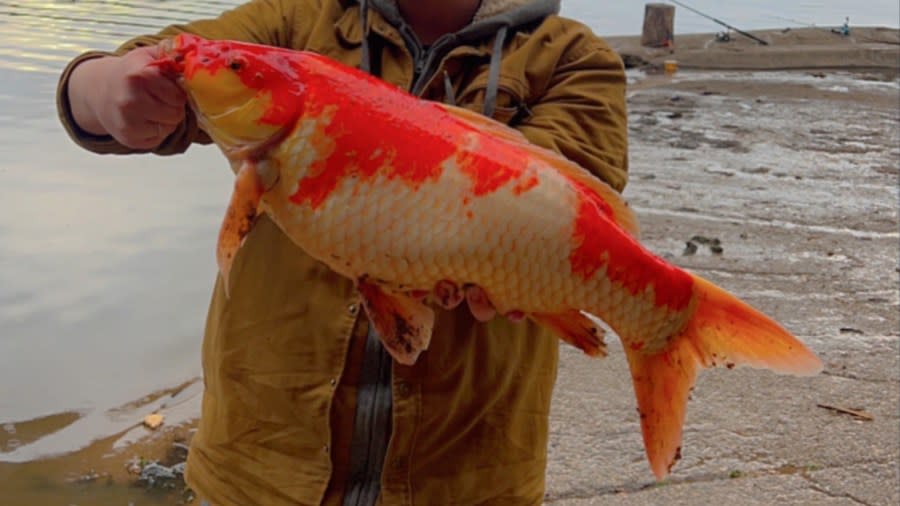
(670, 66)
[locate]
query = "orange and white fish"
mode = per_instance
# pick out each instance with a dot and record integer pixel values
(402, 195)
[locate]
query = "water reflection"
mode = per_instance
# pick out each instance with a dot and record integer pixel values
(105, 262)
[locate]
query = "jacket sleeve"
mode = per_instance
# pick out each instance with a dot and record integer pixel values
(582, 112)
(270, 22)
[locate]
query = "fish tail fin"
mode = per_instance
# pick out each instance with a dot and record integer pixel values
(723, 331)
(239, 218)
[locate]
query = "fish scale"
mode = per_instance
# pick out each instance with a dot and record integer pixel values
(375, 244)
(402, 195)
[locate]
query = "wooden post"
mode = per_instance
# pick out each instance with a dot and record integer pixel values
(659, 25)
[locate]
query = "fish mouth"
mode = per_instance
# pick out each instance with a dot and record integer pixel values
(171, 58)
(223, 122)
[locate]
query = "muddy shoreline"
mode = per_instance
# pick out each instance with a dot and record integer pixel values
(875, 49)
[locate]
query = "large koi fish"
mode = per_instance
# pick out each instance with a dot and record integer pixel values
(402, 195)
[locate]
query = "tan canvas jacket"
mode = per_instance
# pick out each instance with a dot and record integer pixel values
(283, 356)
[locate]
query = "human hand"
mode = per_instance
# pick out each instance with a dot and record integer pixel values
(449, 295)
(126, 98)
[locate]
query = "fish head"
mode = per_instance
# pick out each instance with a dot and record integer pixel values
(245, 96)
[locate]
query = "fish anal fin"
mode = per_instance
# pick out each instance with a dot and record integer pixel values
(239, 217)
(575, 328)
(403, 323)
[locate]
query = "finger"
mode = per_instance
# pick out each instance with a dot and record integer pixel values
(417, 294)
(479, 305)
(165, 90)
(139, 140)
(163, 114)
(515, 316)
(447, 294)
(144, 54)
(153, 133)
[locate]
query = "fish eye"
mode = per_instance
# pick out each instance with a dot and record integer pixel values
(235, 65)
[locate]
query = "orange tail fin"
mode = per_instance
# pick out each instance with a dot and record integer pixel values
(722, 332)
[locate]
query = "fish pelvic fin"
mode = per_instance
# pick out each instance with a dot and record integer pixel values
(239, 218)
(403, 323)
(723, 331)
(575, 328)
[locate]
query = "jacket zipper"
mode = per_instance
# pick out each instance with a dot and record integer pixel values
(374, 403)
(372, 425)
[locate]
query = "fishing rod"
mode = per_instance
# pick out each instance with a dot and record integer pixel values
(726, 25)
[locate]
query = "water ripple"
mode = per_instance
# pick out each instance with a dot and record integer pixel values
(41, 36)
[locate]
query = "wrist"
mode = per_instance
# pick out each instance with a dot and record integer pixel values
(87, 84)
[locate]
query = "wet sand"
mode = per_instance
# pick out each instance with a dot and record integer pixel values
(795, 176)
(795, 173)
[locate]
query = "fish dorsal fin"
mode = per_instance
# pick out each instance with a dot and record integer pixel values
(621, 212)
(484, 123)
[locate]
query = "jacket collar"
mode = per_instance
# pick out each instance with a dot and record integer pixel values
(491, 15)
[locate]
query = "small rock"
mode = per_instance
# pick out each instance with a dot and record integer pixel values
(153, 421)
(133, 466)
(155, 471)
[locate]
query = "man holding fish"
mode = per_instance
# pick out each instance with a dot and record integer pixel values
(302, 403)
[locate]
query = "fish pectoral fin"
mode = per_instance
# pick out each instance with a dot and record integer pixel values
(403, 323)
(575, 328)
(239, 218)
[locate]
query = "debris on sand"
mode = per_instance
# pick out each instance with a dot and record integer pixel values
(692, 245)
(857, 413)
(153, 421)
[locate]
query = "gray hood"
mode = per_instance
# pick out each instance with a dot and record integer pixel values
(494, 19)
(490, 17)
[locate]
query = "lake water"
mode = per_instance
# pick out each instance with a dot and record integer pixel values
(106, 263)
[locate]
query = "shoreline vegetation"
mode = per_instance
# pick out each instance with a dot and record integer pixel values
(140, 466)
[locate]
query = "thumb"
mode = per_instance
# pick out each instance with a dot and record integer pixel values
(144, 55)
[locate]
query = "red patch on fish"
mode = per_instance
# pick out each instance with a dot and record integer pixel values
(493, 163)
(381, 148)
(598, 242)
(525, 184)
(372, 148)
